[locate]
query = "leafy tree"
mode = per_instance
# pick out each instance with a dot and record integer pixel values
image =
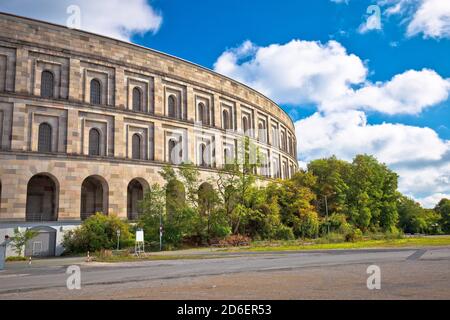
(20, 239)
(443, 208)
(153, 208)
(415, 219)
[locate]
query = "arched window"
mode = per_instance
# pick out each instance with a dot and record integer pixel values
(94, 142)
(94, 196)
(136, 146)
(227, 156)
(201, 113)
(171, 146)
(172, 102)
(42, 199)
(203, 155)
(225, 120)
(45, 138)
(135, 194)
(261, 132)
(137, 99)
(245, 125)
(47, 83)
(96, 90)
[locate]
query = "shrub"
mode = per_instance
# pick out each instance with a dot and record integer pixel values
(283, 232)
(96, 233)
(353, 235)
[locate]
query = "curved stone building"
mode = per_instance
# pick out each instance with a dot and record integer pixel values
(86, 123)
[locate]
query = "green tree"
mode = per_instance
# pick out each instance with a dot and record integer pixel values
(20, 239)
(153, 208)
(443, 208)
(415, 219)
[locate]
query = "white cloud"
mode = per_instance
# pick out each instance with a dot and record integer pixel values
(335, 81)
(431, 18)
(406, 93)
(114, 18)
(431, 201)
(417, 154)
(296, 72)
(325, 74)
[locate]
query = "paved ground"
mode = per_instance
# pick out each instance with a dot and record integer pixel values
(336, 274)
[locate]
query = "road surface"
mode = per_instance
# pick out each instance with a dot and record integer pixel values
(407, 273)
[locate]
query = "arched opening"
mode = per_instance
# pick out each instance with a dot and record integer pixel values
(47, 84)
(225, 120)
(96, 92)
(245, 125)
(135, 194)
(227, 159)
(42, 198)
(172, 145)
(201, 113)
(137, 99)
(175, 196)
(94, 142)
(261, 132)
(202, 154)
(172, 102)
(136, 146)
(206, 198)
(94, 197)
(43, 244)
(175, 151)
(45, 137)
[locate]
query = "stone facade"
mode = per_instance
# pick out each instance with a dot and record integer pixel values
(140, 103)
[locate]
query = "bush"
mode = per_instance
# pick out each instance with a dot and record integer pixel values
(353, 235)
(283, 232)
(96, 233)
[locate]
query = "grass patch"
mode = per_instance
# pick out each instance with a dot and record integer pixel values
(150, 257)
(14, 259)
(382, 243)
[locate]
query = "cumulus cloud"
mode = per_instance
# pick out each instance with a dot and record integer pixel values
(417, 154)
(406, 93)
(431, 18)
(296, 72)
(114, 18)
(327, 75)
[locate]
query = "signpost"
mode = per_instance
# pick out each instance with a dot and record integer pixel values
(161, 230)
(118, 238)
(139, 245)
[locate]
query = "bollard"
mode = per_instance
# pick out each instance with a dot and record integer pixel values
(29, 261)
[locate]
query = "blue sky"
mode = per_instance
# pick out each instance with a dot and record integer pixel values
(350, 84)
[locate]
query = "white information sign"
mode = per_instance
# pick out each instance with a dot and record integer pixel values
(140, 236)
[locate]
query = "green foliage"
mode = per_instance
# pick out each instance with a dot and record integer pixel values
(333, 199)
(415, 219)
(153, 208)
(20, 239)
(96, 233)
(443, 209)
